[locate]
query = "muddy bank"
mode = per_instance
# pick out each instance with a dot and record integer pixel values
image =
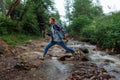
(5, 49)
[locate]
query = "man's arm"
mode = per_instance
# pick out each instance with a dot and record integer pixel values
(64, 30)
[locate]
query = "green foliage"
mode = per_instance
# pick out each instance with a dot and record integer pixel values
(81, 7)
(29, 17)
(86, 7)
(78, 24)
(106, 32)
(83, 13)
(30, 24)
(17, 39)
(88, 34)
(7, 26)
(96, 11)
(29, 21)
(2, 6)
(68, 9)
(88, 23)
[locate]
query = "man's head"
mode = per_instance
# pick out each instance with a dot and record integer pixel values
(51, 20)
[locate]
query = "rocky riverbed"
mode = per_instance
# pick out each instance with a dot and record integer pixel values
(21, 63)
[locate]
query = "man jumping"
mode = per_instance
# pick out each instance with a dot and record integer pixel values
(57, 38)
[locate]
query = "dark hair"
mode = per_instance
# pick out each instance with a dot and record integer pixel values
(52, 18)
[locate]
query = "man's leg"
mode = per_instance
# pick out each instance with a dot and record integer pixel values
(50, 44)
(62, 44)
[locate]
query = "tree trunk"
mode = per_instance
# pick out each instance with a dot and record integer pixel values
(13, 5)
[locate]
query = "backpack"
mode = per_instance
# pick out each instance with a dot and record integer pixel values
(56, 27)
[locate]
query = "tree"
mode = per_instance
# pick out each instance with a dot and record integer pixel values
(82, 7)
(68, 8)
(13, 5)
(83, 14)
(42, 11)
(2, 6)
(29, 21)
(78, 24)
(87, 8)
(30, 16)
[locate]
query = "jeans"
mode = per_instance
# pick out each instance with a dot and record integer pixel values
(62, 44)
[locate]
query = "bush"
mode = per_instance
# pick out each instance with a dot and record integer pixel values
(108, 31)
(30, 24)
(17, 39)
(29, 21)
(88, 34)
(78, 24)
(7, 26)
(105, 32)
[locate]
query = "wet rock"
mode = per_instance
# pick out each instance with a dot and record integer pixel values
(89, 71)
(92, 78)
(33, 69)
(94, 49)
(2, 50)
(25, 66)
(83, 57)
(116, 71)
(65, 57)
(22, 48)
(66, 51)
(43, 44)
(30, 42)
(110, 61)
(41, 50)
(84, 50)
(29, 56)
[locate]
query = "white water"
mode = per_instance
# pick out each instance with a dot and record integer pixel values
(110, 62)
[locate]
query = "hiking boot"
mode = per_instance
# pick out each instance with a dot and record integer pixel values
(76, 55)
(41, 58)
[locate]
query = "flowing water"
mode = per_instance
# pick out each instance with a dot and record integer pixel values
(52, 69)
(110, 62)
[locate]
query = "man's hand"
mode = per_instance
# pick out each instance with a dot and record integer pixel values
(66, 36)
(49, 33)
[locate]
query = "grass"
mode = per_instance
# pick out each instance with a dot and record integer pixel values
(17, 39)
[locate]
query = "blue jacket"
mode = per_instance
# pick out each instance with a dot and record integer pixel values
(57, 30)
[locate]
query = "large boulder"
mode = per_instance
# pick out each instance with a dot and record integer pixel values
(83, 57)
